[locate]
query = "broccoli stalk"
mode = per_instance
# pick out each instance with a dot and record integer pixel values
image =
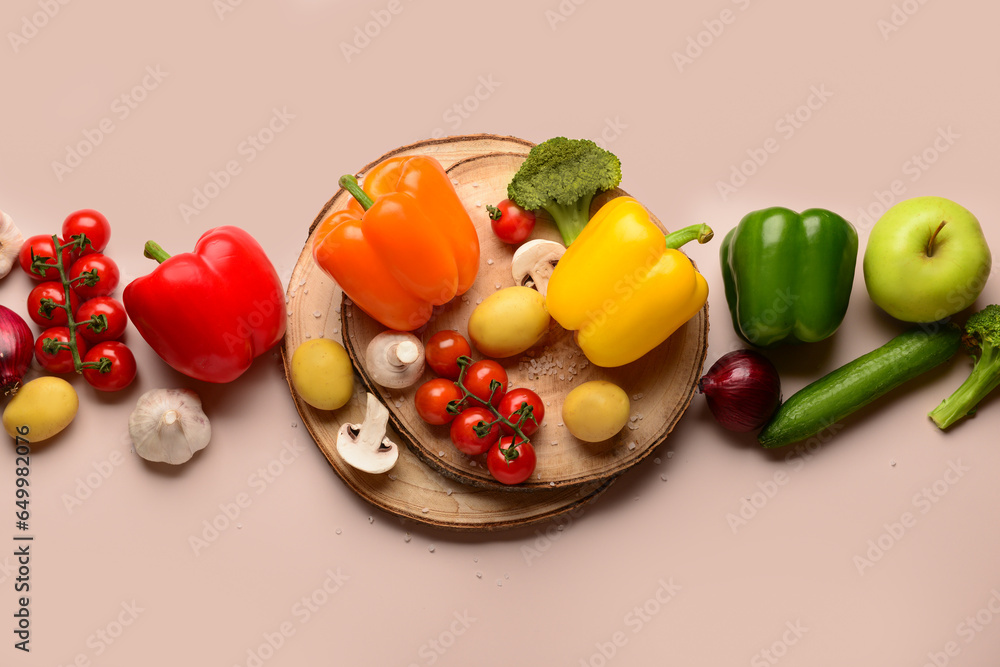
(562, 176)
(982, 336)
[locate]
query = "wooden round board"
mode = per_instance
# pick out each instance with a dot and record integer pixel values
(660, 384)
(411, 489)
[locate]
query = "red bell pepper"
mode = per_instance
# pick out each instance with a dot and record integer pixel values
(211, 312)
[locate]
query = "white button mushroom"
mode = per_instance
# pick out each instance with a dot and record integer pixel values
(365, 446)
(169, 426)
(534, 261)
(395, 359)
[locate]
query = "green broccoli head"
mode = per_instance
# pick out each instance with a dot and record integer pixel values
(982, 336)
(984, 326)
(562, 176)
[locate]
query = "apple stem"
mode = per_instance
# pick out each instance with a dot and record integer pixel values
(930, 243)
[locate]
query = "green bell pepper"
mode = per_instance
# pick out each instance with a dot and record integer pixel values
(788, 276)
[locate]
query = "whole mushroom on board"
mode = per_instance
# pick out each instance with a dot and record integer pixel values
(395, 359)
(534, 261)
(365, 446)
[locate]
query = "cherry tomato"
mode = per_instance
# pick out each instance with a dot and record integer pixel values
(83, 271)
(514, 470)
(432, 400)
(90, 223)
(443, 350)
(116, 368)
(511, 223)
(478, 377)
(513, 400)
(101, 318)
(57, 360)
(45, 301)
(41, 246)
(463, 431)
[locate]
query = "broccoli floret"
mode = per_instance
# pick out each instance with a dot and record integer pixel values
(562, 176)
(982, 338)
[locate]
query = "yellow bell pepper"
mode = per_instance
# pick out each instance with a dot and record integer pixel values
(623, 286)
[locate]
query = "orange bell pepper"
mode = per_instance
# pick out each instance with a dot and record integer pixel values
(403, 245)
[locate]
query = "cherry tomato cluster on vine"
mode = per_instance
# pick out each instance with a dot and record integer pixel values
(480, 411)
(81, 300)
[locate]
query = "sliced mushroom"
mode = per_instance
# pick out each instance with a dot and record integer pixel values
(365, 446)
(395, 359)
(534, 261)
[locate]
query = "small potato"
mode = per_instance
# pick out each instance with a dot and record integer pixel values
(595, 411)
(322, 374)
(40, 409)
(508, 322)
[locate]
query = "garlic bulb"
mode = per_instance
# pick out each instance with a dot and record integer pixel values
(169, 426)
(10, 243)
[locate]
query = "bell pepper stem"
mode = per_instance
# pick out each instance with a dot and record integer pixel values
(350, 183)
(702, 233)
(153, 250)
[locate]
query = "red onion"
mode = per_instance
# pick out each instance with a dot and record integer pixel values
(16, 348)
(743, 390)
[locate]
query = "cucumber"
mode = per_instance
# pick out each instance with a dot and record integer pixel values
(829, 399)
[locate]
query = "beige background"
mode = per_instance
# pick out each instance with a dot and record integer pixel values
(564, 592)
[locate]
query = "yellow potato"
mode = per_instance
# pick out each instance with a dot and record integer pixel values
(508, 322)
(322, 374)
(595, 411)
(40, 409)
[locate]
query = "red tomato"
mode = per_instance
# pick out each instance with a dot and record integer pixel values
(432, 400)
(443, 350)
(94, 275)
(463, 431)
(511, 223)
(516, 466)
(478, 377)
(45, 304)
(101, 318)
(89, 223)
(41, 246)
(513, 400)
(57, 359)
(115, 367)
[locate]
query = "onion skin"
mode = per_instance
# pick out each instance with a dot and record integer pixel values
(16, 349)
(742, 389)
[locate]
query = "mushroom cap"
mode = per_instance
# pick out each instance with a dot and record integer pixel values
(365, 446)
(534, 261)
(395, 359)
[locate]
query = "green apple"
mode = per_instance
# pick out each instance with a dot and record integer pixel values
(926, 259)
